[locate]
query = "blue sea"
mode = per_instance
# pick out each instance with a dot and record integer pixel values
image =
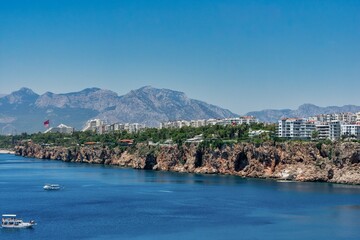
(102, 202)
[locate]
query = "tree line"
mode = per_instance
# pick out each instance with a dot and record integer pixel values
(215, 133)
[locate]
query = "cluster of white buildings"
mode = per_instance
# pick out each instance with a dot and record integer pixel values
(324, 126)
(99, 126)
(203, 122)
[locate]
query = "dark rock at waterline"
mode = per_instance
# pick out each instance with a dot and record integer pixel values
(336, 163)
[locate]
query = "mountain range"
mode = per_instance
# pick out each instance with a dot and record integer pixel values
(25, 110)
(305, 110)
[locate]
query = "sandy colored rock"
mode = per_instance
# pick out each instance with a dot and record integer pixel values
(298, 161)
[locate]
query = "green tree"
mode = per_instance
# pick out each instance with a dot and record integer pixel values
(315, 134)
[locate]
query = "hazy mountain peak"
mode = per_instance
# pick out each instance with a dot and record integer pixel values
(145, 88)
(150, 89)
(156, 97)
(48, 93)
(89, 98)
(308, 105)
(24, 91)
(23, 95)
(89, 90)
(152, 105)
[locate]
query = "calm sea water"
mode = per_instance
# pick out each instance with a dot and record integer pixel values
(113, 203)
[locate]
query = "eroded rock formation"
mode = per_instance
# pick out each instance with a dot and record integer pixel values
(298, 161)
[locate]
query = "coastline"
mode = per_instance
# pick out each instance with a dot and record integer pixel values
(291, 161)
(6, 151)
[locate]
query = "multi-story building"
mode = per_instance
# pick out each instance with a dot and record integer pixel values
(62, 128)
(307, 129)
(98, 126)
(358, 117)
(93, 125)
(249, 119)
(212, 121)
(296, 128)
(346, 118)
(241, 120)
(118, 127)
(202, 122)
(323, 130)
(175, 124)
(329, 130)
(350, 130)
(323, 118)
(130, 127)
(289, 127)
(134, 127)
(198, 123)
(334, 130)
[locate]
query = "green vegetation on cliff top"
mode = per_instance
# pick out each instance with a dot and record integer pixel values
(211, 134)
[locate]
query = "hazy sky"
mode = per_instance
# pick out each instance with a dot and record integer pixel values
(241, 55)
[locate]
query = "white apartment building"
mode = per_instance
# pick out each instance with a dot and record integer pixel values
(133, 127)
(324, 118)
(98, 126)
(289, 127)
(211, 122)
(346, 117)
(243, 120)
(329, 130)
(130, 127)
(118, 127)
(175, 124)
(323, 130)
(358, 117)
(62, 128)
(93, 125)
(198, 123)
(306, 129)
(350, 130)
(296, 128)
(334, 130)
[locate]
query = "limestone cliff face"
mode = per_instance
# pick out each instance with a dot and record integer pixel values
(337, 163)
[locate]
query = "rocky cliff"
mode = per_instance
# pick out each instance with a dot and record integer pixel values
(297, 161)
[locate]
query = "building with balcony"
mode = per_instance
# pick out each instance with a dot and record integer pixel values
(289, 127)
(350, 131)
(296, 128)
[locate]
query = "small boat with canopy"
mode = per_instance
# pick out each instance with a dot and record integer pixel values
(10, 221)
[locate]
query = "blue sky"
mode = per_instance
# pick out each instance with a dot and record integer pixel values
(241, 55)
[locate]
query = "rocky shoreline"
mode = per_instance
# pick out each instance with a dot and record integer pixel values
(295, 161)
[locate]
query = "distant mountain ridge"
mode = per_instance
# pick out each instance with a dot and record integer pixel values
(305, 110)
(25, 111)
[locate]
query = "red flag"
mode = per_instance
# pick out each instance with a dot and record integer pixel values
(47, 123)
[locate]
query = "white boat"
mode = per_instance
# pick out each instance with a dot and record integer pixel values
(10, 221)
(52, 187)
